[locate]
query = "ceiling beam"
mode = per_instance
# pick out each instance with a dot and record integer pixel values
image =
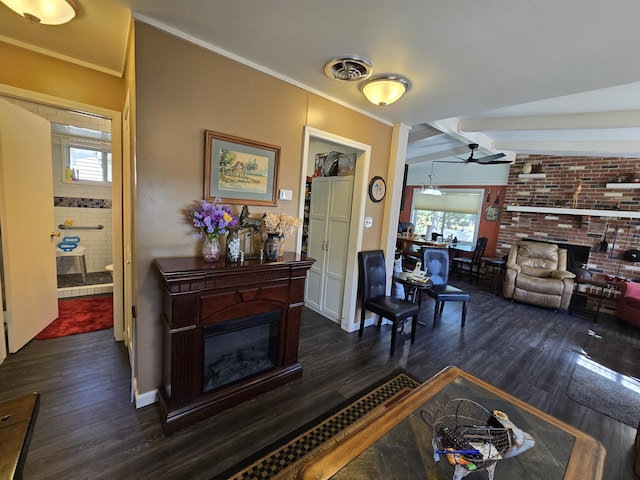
(451, 126)
(567, 121)
(422, 132)
(438, 155)
(589, 148)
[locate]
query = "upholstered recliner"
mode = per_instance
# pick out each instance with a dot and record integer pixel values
(629, 303)
(536, 273)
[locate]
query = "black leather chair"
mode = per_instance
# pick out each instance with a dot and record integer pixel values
(435, 262)
(403, 227)
(372, 288)
(471, 266)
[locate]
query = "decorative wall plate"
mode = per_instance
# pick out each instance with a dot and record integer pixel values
(377, 189)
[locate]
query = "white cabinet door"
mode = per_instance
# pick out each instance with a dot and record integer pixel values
(318, 207)
(329, 221)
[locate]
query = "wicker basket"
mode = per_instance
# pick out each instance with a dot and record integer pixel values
(469, 436)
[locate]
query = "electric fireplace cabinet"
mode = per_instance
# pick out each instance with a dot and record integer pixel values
(230, 332)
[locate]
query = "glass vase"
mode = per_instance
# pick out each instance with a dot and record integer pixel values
(233, 246)
(210, 249)
(272, 246)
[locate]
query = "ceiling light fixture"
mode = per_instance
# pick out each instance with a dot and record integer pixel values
(430, 189)
(385, 90)
(46, 12)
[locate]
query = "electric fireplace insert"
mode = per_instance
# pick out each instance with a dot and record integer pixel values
(240, 349)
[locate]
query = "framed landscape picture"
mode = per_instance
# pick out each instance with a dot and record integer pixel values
(240, 171)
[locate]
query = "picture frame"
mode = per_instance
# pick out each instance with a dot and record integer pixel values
(240, 171)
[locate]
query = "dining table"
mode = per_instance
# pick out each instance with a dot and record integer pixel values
(409, 247)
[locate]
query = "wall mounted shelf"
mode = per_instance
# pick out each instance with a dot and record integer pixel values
(623, 186)
(525, 176)
(575, 211)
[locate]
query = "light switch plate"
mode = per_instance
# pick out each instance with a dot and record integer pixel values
(286, 194)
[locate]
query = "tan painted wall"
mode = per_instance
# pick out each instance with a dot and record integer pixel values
(183, 90)
(50, 76)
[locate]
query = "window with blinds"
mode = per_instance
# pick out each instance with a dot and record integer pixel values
(454, 214)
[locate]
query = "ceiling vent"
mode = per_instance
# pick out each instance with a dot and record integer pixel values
(348, 69)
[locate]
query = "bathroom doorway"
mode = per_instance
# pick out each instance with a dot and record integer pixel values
(82, 187)
(74, 121)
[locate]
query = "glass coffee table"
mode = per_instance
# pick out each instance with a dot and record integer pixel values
(397, 444)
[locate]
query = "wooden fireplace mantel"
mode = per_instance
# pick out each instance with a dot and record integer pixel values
(196, 294)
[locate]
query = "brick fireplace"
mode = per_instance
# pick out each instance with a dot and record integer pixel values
(550, 195)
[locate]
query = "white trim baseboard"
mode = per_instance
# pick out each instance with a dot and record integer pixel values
(147, 398)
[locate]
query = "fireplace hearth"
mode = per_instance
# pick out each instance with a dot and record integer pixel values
(231, 332)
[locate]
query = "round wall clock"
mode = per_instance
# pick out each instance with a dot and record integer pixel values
(377, 189)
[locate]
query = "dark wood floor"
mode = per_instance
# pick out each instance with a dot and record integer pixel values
(87, 427)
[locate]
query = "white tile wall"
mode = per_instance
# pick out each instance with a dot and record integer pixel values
(96, 242)
(82, 291)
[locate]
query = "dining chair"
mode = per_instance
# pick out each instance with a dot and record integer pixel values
(471, 265)
(435, 262)
(372, 286)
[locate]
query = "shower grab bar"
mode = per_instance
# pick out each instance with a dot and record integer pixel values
(69, 227)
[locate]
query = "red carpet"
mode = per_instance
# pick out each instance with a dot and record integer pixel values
(80, 316)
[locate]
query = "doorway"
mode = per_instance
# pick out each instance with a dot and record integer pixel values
(314, 142)
(82, 188)
(38, 103)
(82, 198)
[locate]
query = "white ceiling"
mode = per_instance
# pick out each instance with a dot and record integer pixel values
(515, 76)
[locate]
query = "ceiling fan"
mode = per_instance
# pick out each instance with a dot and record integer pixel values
(487, 160)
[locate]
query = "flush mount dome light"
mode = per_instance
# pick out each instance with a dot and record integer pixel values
(385, 90)
(348, 69)
(46, 12)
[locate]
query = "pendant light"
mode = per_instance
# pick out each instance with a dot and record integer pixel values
(430, 189)
(46, 12)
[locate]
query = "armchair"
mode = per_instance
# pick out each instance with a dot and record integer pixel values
(536, 273)
(629, 303)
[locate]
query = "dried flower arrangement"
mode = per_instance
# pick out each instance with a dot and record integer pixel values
(281, 224)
